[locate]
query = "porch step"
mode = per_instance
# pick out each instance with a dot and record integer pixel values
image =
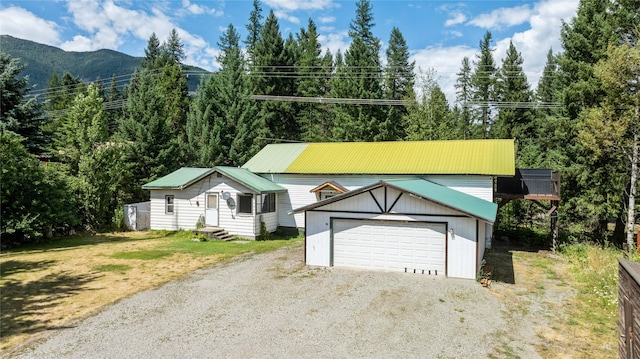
(216, 233)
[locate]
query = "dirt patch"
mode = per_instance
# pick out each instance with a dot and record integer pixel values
(530, 285)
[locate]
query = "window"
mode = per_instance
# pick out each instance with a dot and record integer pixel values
(212, 201)
(244, 203)
(267, 202)
(168, 204)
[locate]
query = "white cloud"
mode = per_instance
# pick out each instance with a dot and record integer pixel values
(446, 61)
(502, 17)
(108, 25)
(455, 18)
(545, 19)
(293, 5)
(199, 9)
(327, 19)
(285, 16)
(335, 41)
(544, 34)
(18, 22)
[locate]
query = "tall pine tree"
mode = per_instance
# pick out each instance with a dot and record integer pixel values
(359, 78)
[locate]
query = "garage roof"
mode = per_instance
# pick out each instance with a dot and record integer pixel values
(480, 157)
(427, 190)
(471, 205)
(186, 176)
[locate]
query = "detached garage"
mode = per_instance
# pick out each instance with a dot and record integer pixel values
(403, 225)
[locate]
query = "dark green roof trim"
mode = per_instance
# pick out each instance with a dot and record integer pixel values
(186, 176)
(470, 205)
(179, 179)
(445, 196)
(249, 179)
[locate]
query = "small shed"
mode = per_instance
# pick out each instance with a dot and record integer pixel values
(414, 225)
(628, 309)
(136, 216)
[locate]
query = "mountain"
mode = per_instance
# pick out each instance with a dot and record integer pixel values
(42, 60)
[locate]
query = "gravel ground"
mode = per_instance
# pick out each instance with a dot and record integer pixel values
(272, 306)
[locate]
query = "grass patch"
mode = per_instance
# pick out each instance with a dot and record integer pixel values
(118, 268)
(50, 284)
(143, 254)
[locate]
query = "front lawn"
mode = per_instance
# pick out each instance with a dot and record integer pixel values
(54, 284)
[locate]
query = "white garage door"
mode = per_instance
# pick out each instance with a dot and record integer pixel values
(389, 245)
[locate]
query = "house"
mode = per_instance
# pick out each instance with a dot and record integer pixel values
(397, 195)
(414, 206)
(231, 198)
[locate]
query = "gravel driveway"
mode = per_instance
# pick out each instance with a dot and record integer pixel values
(272, 306)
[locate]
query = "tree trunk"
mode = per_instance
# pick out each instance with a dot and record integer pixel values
(631, 218)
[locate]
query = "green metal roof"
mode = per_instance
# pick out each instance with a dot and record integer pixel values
(184, 177)
(179, 179)
(251, 180)
(471, 205)
(480, 157)
(275, 158)
(456, 200)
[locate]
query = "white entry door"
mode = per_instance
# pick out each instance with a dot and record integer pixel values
(211, 211)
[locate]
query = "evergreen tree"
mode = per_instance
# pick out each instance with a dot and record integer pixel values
(464, 97)
(254, 29)
(174, 47)
(274, 74)
(34, 199)
(548, 90)
(585, 42)
(612, 128)
(512, 89)
(398, 85)
(152, 53)
(483, 80)
(430, 118)
(223, 126)
(93, 161)
(157, 108)
(20, 114)
(359, 78)
(314, 72)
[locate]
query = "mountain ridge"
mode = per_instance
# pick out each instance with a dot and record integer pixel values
(42, 60)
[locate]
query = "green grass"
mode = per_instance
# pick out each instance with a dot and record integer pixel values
(118, 268)
(149, 254)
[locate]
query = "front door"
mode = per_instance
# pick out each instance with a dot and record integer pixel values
(211, 211)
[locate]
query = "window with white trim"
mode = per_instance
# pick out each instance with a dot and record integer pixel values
(168, 204)
(244, 203)
(266, 202)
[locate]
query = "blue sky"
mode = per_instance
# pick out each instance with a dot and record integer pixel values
(439, 33)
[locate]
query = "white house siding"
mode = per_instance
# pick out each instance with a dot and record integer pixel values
(461, 246)
(270, 219)
(189, 205)
(482, 242)
(299, 189)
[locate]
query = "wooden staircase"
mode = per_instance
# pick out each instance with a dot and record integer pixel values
(215, 233)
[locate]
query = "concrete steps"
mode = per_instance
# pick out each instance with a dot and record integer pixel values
(215, 233)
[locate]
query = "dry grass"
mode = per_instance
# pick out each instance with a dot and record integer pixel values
(570, 298)
(44, 288)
